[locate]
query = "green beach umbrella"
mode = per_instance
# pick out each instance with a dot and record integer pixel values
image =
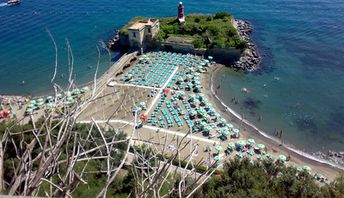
(251, 141)
(76, 91)
(40, 103)
(29, 110)
(69, 98)
(269, 156)
(84, 89)
(226, 132)
(68, 102)
(282, 158)
(241, 142)
(218, 148)
(207, 128)
(40, 100)
(307, 168)
(239, 155)
(299, 168)
(236, 131)
(50, 98)
(231, 145)
(33, 102)
(229, 125)
(31, 105)
(210, 57)
(261, 146)
(59, 95)
(217, 158)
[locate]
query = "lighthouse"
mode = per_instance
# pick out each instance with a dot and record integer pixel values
(181, 17)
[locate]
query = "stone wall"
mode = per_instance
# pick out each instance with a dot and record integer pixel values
(221, 55)
(225, 55)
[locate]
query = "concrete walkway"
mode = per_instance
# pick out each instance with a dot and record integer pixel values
(161, 89)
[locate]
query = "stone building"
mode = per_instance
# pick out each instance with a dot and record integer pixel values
(142, 31)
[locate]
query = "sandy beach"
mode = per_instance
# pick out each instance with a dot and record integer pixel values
(247, 131)
(111, 98)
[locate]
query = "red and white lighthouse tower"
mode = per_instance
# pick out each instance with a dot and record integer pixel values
(181, 17)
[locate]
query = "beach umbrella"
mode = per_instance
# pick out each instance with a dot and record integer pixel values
(31, 105)
(84, 89)
(261, 146)
(49, 98)
(231, 145)
(217, 158)
(307, 168)
(76, 91)
(40, 103)
(225, 132)
(40, 100)
(207, 116)
(241, 143)
(282, 158)
(198, 83)
(33, 102)
(223, 121)
(251, 141)
(229, 125)
(207, 128)
(29, 110)
(189, 76)
(239, 155)
(299, 168)
(218, 148)
(219, 131)
(236, 131)
(59, 95)
(69, 98)
(269, 156)
(210, 57)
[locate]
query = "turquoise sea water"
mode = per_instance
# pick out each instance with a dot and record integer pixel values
(301, 43)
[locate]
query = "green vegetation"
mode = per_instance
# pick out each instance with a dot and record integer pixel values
(267, 179)
(206, 31)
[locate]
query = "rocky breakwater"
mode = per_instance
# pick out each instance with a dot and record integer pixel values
(332, 156)
(249, 59)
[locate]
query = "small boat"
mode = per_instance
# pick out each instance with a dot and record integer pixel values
(13, 2)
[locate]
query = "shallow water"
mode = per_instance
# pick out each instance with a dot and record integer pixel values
(301, 43)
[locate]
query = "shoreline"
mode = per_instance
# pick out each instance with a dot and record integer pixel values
(249, 130)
